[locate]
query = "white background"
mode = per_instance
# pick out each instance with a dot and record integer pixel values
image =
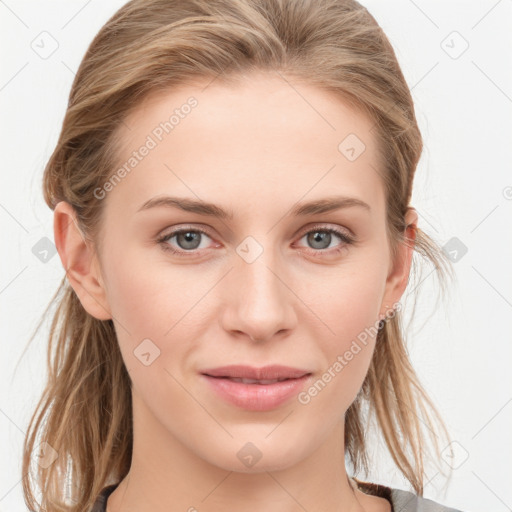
(461, 349)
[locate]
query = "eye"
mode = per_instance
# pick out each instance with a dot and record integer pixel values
(187, 239)
(321, 237)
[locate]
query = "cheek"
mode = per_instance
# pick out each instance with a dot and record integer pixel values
(159, 314)
(147, 298)
(349, 311)
(149, 307)
(349, 302)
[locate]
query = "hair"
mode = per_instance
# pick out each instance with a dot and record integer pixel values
(85, 411)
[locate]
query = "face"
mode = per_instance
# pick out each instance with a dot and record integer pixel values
(288, 264)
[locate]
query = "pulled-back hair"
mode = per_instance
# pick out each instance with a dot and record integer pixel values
(85, 412)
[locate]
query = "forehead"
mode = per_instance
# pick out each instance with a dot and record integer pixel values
(262, 138)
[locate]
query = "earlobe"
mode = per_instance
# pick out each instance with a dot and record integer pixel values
(80, 262)
(398, 278)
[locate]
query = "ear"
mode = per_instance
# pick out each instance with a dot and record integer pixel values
(398, 276)
(80, 262)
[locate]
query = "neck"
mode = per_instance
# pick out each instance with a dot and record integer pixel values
(164, 473)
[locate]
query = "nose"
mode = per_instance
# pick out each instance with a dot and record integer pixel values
(259, 303)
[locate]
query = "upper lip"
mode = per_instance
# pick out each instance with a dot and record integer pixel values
(250, 372)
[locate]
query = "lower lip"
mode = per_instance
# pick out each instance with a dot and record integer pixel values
(256, 397)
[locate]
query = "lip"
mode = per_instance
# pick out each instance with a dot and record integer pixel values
(254, 396)
(270, 372)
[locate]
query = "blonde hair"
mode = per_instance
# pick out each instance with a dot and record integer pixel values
(149, 45)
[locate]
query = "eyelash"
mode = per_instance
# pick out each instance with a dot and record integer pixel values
(345, 238)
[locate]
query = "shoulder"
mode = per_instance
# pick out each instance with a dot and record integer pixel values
(402, 501)
(407, 501)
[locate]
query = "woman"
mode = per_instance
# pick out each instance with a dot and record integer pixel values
(231, 193)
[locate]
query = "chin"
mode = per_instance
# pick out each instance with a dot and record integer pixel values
(257, 454)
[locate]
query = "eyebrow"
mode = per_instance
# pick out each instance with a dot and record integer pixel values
(317, 206)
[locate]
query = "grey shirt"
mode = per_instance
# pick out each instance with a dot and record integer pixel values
(401, 501)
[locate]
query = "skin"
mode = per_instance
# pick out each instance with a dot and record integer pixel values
(256, 148)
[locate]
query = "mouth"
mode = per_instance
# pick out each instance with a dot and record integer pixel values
(251, 381)
(266, 373)
(256, 389)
